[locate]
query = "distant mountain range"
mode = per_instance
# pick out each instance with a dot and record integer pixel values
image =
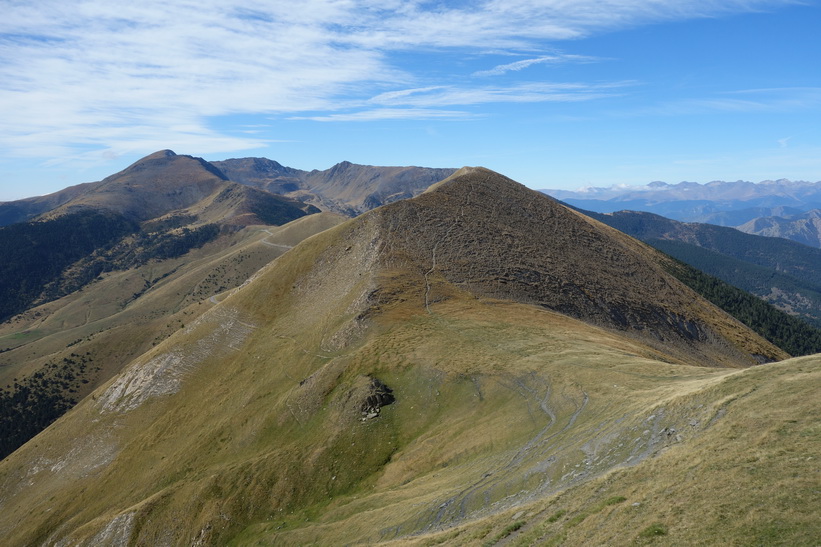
(785, 273)
(803, 227)
(161, 185)
(478, 364)
(160, 207)
(781, 208)
(166, 204)
(98, 273)
(345, 188)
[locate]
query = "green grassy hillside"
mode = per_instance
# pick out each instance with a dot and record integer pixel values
(749, 478)
(509, 423)
(370, 385)
(57, 353)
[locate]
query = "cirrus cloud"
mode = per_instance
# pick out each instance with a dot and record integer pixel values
(117, 77)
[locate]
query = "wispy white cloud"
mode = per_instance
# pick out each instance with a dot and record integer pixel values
(119, 76)
(526, 63)
(785, 99)
(383, 114)
(534, 92)
(428, 103)
(401, 96)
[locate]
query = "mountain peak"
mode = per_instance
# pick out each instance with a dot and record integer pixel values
(158, 160)
(482, 232)
(473, 176)
(159, 154)
(164, 181)
(480, 333)
(341, 167)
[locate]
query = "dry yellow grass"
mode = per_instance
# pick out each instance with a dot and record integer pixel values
(125, 313)
(511, 423)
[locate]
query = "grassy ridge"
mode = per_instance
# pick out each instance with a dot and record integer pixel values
(749, 480)
(116, 319)
(254, 423)
(294, 467)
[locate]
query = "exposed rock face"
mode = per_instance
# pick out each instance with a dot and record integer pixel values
(380, 395)
(222, 332)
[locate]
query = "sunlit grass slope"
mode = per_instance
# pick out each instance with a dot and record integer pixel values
(57, 353)
(350, 393)
(751, 477)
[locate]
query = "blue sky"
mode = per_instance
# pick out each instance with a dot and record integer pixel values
(552, 93)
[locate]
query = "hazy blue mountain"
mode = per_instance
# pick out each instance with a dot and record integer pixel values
(717, 202)
(804, 227)
(785, 273)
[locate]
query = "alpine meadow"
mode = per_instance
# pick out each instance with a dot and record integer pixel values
(476, 364)
(400, 273)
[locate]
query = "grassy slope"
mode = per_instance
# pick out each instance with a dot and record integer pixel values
(155, 298)
(498, 406)
(736, 452)
(142, 300)
(125, 314)
(749, 479)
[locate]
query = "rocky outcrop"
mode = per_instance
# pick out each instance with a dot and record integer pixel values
(380, 395)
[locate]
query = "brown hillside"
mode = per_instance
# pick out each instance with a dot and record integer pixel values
(482, 232)
(401, 374)
(165, 182)
(345, 188)
(24, 209)
(153, 186)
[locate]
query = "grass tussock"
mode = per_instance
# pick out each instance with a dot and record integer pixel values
(654, 530)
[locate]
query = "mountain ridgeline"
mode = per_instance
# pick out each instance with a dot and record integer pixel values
(88, 263)
(781, 208)
(346, 188)
(784, 273)
(474, 364)
(80, 258)
(469, 364)
(161, 207)
(165, 205)
(801, 226)
(537, 251)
